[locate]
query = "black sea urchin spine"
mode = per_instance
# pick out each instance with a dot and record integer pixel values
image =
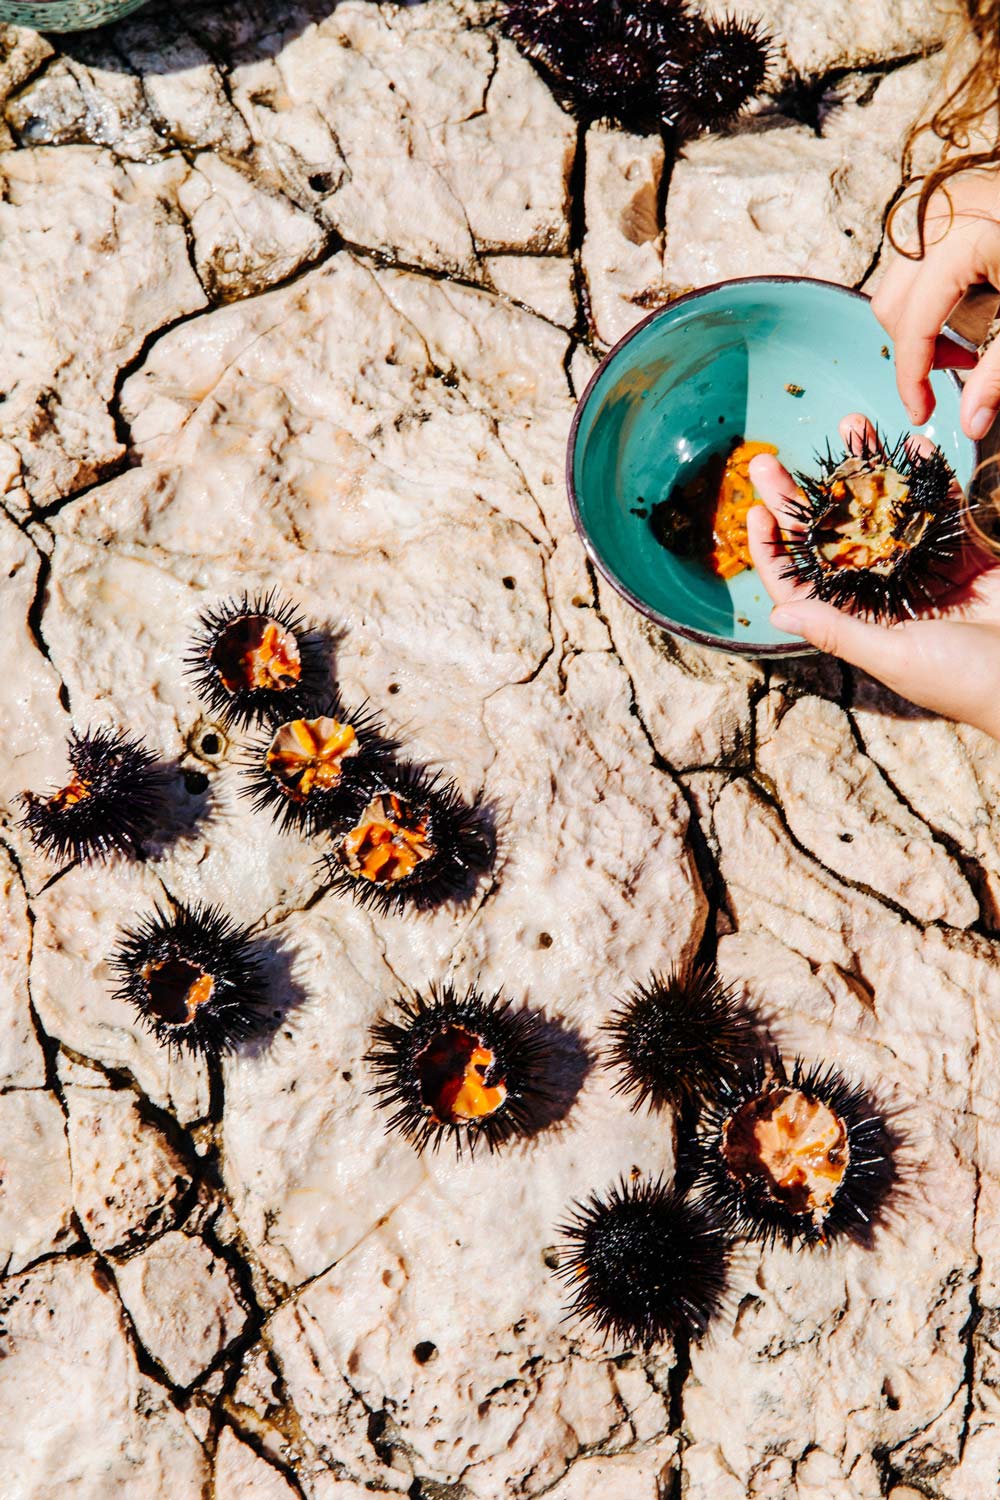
(708, 85)
(408, 1075)
(750, 1209)
(642, 1263)
(455, 846)
(108, 805)
(677, 1038)
(301, 797)
(296, 683)
(195, 979)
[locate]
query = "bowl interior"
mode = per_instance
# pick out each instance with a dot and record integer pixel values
(709, 370)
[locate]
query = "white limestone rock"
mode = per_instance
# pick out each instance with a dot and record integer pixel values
(22, 1063)
(183, 1304)
(35, 1191)
(622, 253)
(128, 1181)
(241, 1474)
(80, 1418)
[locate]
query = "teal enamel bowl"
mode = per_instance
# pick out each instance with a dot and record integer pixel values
(65, 15)
(712, 368)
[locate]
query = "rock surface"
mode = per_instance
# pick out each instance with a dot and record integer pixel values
(301, 296)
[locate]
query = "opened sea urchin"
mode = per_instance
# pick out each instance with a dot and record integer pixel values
(414, 841)
(677, 1038)
(307, 771)
(877, 529)
(255, 657)
(458, 1065)
(796, 1157)
(109, 802)
(643, 1263)
(195, 978)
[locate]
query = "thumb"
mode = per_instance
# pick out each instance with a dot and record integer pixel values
(876, 649)
(981, 397)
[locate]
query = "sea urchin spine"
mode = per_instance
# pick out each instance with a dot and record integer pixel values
(458, 1065)
(677, 1038)
(795, 1157)
(109, 803)
(643, 1263)
(195, 978)
(253, 658)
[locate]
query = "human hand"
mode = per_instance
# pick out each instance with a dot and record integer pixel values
(948, 660)
(916, 297)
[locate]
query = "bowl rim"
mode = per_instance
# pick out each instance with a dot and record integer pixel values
(757, 650)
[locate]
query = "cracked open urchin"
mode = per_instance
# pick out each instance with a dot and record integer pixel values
(464, 1066)
(707, 86)
(254, 657)
(604, 58)
(797, 1157)
(642, 1263)
(879, 529)
(195, 978)
(414, 843)
(677, 1038)
(109, 803)
(309, 771)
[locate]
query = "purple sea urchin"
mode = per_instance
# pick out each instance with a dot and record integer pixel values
(796, 1157)
(415, 841)
(677, 1038)
(629, 61)
(255, 657)
(307, 772)
(108, 804)
(195, 979)
(463, 1066)
(876, 529)
(643, 1263)
(708, 86)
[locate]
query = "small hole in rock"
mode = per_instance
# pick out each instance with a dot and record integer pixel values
(321, 182)
(545, 940)
(424, 1351)
(847, 838)
(580, 603)
(211, 744)
(393, 687)
(195, 782)
(551, 1259)
(347, 1076)
(509, 583)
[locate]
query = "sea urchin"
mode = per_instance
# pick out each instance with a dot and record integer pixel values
(876, 529)
(254, 657)
(195, 978)
(643, 1263)
(800, 1157)
(459, 1065)
(108, 804)
(676, 1038)
(414, 841)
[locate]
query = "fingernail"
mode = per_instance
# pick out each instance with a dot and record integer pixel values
(981, 422)
(787, 617)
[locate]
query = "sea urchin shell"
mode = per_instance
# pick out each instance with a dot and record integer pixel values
(876, 529)
(414, 841)
(793, 1157)
(706, 87)
(307, 771)
(643, 1263)
(255, 657)
(456, 1065)
(108, 804)
(195, 979)
(676, 1038)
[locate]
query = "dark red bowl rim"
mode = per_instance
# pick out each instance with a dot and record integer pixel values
(700, 638)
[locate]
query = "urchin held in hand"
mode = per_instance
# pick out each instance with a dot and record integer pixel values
(459, 1065)
(195, 978)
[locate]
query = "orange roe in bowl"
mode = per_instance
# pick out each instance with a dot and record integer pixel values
(730, 552)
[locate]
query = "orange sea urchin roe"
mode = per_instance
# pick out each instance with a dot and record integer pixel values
(730, 552)
(863, 518)
(75, 791)
(791, 1143)
(308, 755)
(389, 841)
(452, 1070)
(176, 988)
(257, 652)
